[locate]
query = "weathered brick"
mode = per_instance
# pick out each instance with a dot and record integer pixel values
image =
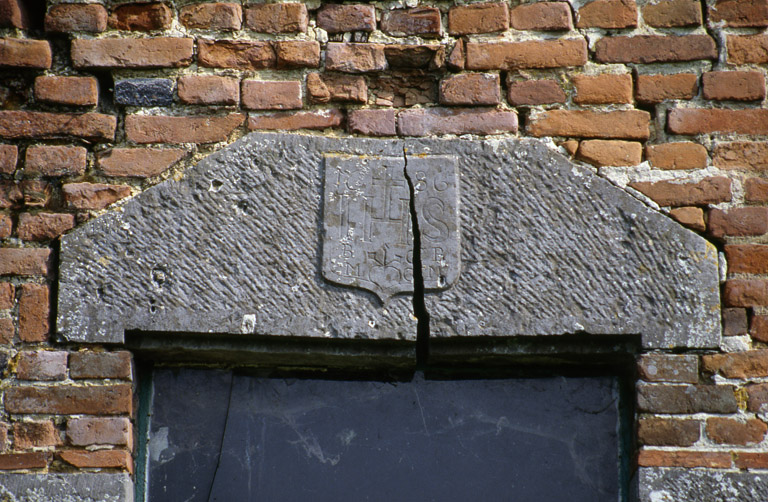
(11, 195)
(27, 435)
(338, 18)
(531, 54)
(238, 54)
(55, 160)
(742, 365)
(543, 16)
(600, 152)
(456, 59)
(212, 16)
(297, 54)
(673, 13)
(100, 459)
(34, 312)
(757, 397)
(271, 95)
(668, 368)
(729, 431)
(478, 18)
(292, 121)
(208, 90)
(141, 17)
(30, 460)
(655, 49)
(747, 258)
(144, 92)
(324, 88)
(745, 293)
(13, 14)
(738, 222)
(471, 89)
(667, 432)
(35, 193)
(77, 91)
(602, 89)
(7, 295)
(42, 365)
(93, 196)
(756, 190)
(438, 121)
(740, 13)
(43, 226)
(403, 89)
(752, 155)
(15, 124)
(751, 460)
(534, 92)
(686, 399)
(70, 399)
(24, 261)
(677, 155)
(355, 58)
(691, 121)
(657, 88)
(712, 190)
(691, 217)
(735, 322)
(623, 124)
(72, 17)
(90, 364)
(688, 459)
(277, 18)
(733, 85)
(607, 14)
(24, 53)
(160, 52)
(372, 122)
(427, 57)
(9, 156)
(88, 431)
(747, 49)
(6, 226)
(164, 129)
(422, 21)
(7, 331)
(138, 162)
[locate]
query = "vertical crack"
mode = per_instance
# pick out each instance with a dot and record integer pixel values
(419, 306)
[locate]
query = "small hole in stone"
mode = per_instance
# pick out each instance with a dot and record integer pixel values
(216, 185)
(441, 281)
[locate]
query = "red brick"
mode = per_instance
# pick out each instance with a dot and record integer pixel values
(7, 331)
(208, 90)
(673, 13)
(338, 18)
(655, 49)
(758, 330)
(751, 460)
(623, 124)
(534, 92)
(602, 89)
(55, 160)
(422, 21)
(100, 459)
(667, 432)
(691, 217)
(738, 222)
(23, 53)
(438, 121)
(31, 460)
(740, 13)
(297, 54)
(7, 295)
(15, 124)
(543, 16)
(735, 322)
(745, 293)
(160, 52)
(676, 193)
(456, 60)
(27, 435)
(607, 14)
(668, 368)
(427, 57)
(733, 85)
(747, 258)
(238, 54)
(42, 365)
(78, 91)
(34, 313)
(71, 17)
(271, 95)
(24, 261)
(531, 54)
(657, 88)
(692, 121)
(689, 459)
(292, 121)
(138, 162)
(741, 365)
(324, 88)
(478, 18)
(757, 394)
(277, 18)
(212, 16)
(70, 399)
(756, 190)
(751, 155)
(141, 17)
(93, 196)
(600, 152)
(471, 89)
(373, 122)
(90, 364)
(163, 129)
(747, 49)
(13, 14)
(677, 155)
(9, 155)
(88, 431)
(355, 58)
(6, 226)
(43, 226)
(11, 195)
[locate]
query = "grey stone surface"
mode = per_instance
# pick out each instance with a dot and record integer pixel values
(66, 487)
(144, 92)
(673, 484)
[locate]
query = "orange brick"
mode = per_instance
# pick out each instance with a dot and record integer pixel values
(677, 155)
(160, 52)
(271, 95)
(44, 226)
(34, 313)
(691, 217)
(115, 459)
(93, 196)
(141, 17)
(738, 221)
(531, 54)
(751, 155)
(164, 129)
(78, 91)
(673, 13)
(534, 92)
(277, 18)
(692, 121)
(747, 49)
(745, 293)
(675, 193)
(238, 54)
(478, 18)
(355, 58)
(212, 16)
(733, 85)
(658, 88)
(602, 89)
(655, 49)
(624, 124)
(24, 261)
(292, 121)
(31, 460)
(740, 13)
(138, 162)
(599, 152)
(607, 14)
(543, 16)
(470, 89)
(756, 190)
(72, 17)
(16, 124)
(690, 459)
(24, 53)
